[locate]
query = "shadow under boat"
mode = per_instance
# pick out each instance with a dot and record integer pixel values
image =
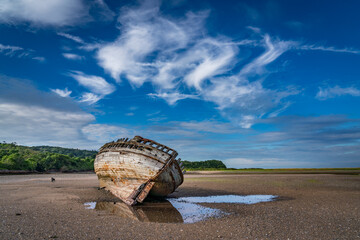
(160, 211)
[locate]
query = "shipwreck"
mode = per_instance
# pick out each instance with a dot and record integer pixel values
(133, 169)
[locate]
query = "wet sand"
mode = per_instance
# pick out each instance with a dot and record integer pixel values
(310, 206)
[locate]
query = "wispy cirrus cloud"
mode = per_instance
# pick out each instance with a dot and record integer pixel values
(332, 92)
(98, 87)
(96, 84)
(243, 100)
(89, 98)
(62, 93)
(182, 61)
(144, 31)
(273, 50)
(19, 52)
(40, 59)
(71, 37)
(73, 56)
(172, 56)
(316, 47)
(10, 50)
(172, 97)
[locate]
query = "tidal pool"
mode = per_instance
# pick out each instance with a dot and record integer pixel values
(177, 210)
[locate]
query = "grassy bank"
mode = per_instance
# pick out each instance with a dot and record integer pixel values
(19, 159)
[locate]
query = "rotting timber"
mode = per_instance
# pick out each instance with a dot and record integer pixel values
(132, 169)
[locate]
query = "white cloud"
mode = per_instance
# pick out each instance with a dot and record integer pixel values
(19, 52)
(71, 37)
(57, 13)
(98, 86)
(280, 110)
(53, 12)
(40, 59)
(62, 93)
(9, 50)
(329, 49)
(172, 97)
(89, 98)
(72, 56)
(228, 91)
(254, 29)
(205, 59)
(44, 124)
(182, 62)
(144, 32)
(273, 50)
(104, 133)
(214, 57)
(31, 117)
(95, 84)
(243, 101)
(38, 125)
(332, 92)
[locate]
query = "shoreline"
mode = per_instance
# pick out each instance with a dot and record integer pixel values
(346, 171)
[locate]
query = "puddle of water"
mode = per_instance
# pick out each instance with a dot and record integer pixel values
(176, 210)
(90, 205)
(192, 212)
(249, 199)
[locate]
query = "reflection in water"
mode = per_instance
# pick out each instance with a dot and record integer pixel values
(176, 210)
(161, 211)
(90, 205)
(249, 199)
(192, 212)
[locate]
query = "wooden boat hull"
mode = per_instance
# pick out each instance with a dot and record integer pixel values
(132, 169)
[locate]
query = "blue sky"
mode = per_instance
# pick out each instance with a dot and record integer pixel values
(254, 83)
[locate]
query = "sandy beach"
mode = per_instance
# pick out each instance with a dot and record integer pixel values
(309, 206)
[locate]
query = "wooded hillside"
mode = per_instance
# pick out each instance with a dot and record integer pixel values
(45, 158)
(208, 164)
